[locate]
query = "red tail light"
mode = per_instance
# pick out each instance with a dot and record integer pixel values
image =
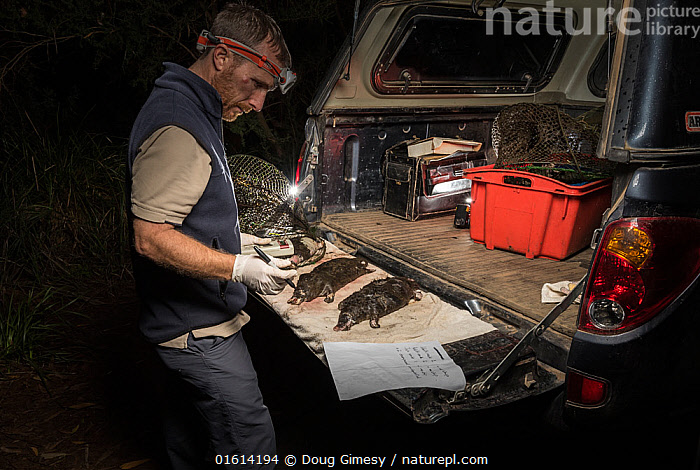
(585, 391)
(297, 174)
(641, 266)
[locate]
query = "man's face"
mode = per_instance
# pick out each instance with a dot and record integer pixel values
(243, 85)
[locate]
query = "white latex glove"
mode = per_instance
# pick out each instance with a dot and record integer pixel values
(259, 276)
(248, 239)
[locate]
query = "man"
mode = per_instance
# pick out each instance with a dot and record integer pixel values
(189, 272)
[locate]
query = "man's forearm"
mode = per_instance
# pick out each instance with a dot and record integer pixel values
(169, 247)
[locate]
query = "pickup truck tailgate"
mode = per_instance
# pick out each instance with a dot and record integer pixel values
(474, 343)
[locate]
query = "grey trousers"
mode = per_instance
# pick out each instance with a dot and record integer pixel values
(222, 418)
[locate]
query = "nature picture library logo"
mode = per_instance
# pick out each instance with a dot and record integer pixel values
(554, 20)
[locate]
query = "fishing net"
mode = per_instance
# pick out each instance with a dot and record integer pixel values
(544, 140)
(266, 207)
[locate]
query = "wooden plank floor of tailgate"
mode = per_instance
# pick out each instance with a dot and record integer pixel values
(437, 247)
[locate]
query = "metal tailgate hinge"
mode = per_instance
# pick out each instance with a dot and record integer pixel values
(486, 382)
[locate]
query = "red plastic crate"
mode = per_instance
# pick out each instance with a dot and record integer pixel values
(538, 216)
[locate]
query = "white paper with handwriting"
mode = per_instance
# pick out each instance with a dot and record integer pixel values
(362, 368)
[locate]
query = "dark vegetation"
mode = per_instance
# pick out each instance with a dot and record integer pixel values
(73, 75)
(76, 380)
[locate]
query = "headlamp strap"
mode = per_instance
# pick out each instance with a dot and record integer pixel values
(207, 39)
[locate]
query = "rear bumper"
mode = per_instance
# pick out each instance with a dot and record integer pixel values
(652, 371)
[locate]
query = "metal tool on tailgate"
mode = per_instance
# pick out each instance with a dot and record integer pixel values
(486, 382)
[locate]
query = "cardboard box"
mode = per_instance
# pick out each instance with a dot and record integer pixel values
(441, 146)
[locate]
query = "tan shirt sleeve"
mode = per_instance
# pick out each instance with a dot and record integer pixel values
(169, 175)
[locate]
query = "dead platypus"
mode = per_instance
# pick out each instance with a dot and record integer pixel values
(327, 278)
(375, 300)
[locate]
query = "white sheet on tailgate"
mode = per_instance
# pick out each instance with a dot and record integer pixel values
(429, 319)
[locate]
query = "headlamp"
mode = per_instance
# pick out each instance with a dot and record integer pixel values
(284, 77)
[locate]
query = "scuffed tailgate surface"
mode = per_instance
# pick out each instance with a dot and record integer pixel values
(436, 246)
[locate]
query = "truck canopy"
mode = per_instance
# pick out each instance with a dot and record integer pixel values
(654, 110)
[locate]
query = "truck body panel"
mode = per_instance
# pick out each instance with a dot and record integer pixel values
(361, 110)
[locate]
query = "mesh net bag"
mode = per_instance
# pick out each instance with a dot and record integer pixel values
(544, 140)
(267, 209)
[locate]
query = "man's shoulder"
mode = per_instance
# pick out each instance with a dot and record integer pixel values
(171, 133)
(174, 138)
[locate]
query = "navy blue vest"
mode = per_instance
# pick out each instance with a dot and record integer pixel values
(173, 304)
